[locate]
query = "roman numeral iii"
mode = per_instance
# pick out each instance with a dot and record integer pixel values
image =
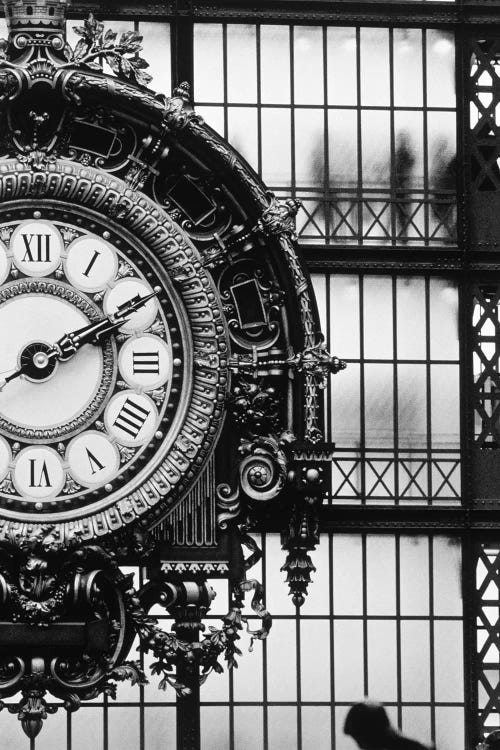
(146, 362)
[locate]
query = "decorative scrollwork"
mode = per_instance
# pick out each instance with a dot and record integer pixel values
(279, 218)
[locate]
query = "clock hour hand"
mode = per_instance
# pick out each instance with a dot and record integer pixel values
(42, 360)
(70, 343)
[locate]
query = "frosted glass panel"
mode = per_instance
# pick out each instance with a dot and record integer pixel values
(344, 306)
(444, 319)
(214, 727)
(156, 44)
(375, 67)
(378, 320)
(346, 413)
(275, 64)
(316, 723)
(382, 660)
(241, 63)
(160, 730)
(242, 133)
(248, 728)
(411, 317)
(407, 67)
(412, 403)
(447, 576)
(381, 574)
(343, 148)
(310, 150)
(414, 575)
(376, 151)
(282, 726)
(123, 728)
(415, 661)
(348, 660)
(448, 665)
(348, 574)
(276, 147)
(208, 62)
(281, 662)
(308, 65)
(341, 60)
(379, 405)
(441, 68)
(445, 401)
(315, 662)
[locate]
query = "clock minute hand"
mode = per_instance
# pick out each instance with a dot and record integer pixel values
(70, 343)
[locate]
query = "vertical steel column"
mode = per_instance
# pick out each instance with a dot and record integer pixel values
(181, 44)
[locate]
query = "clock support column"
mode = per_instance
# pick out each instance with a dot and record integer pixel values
(188, 626)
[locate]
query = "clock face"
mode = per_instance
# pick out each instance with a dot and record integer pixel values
(95, 359)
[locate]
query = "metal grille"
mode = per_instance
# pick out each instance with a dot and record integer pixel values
(394, 413)
(383, 618)
(338, 118)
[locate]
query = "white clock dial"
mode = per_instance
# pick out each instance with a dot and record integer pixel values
(125, 290)
(131, 418)
(43, 318)
(36, 248)
(91, 264)
(39, 473)
(145, 362)
(4, 263)
(5, 458)
(93, 459)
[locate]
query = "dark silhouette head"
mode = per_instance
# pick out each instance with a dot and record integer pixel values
(368, 724)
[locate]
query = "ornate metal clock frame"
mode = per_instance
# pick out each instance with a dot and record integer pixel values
(89, 154)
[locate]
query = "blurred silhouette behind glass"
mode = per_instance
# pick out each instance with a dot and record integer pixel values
(368, 724)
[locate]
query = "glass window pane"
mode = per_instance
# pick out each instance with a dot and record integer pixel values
(412, 406)
(375, 67)
(123, 727)
(445, 401)
(348, 660)
(343, 148)
(450, 728)
(342, 67)
(156, 50)
(316, 723)
(347, 574)
(444, 319)
(448, 661)
(407, 67)
(411, 317)
(87, 729)
(160, 729)
(415, 661)
(416, 723)
(248, 728)
(409, 151)
(414, 575)
(282, 726)
(208, 63)
(440, 68)
(242, 133)
(315, 660)
(281, 662)
(344, 321)
(241, 63)
(309, 148)
(276, 147)
(376, 150)
(382, 660)
(378, 317)
(379, 405)
(275, 64)
(380, 574)
(447, 576)
(308, 64)
(346, 409)
(214, 727)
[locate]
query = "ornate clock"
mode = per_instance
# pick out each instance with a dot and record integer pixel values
(114, 363)
(160, 373)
